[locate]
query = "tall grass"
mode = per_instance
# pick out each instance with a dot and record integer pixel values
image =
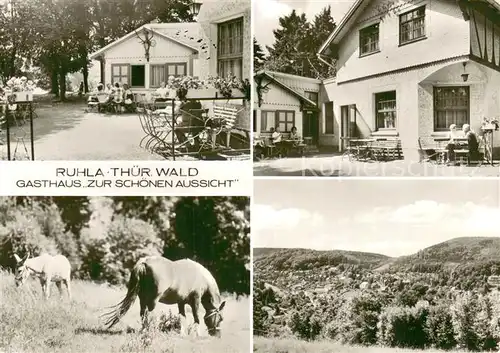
(291, 345)
(30, 324)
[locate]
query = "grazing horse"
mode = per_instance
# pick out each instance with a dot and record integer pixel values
(47, 268)
(157, 279)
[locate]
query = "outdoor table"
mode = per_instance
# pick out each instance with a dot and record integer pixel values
(446, 139)
(462, 140)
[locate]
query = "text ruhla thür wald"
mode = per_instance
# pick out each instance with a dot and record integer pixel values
(135, 171)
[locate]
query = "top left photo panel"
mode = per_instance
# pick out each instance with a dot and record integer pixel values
(125, 80)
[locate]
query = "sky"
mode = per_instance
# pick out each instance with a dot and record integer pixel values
(267, 12)
(390, 217)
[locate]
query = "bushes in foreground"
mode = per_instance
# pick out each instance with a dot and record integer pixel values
(469, 321)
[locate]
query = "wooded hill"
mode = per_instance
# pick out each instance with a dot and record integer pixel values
(365, 298)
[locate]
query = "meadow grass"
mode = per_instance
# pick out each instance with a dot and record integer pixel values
(291, 345)
(30, 324)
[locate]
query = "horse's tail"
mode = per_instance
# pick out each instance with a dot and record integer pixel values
(112, 317)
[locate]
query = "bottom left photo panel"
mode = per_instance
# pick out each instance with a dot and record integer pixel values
(125, 274)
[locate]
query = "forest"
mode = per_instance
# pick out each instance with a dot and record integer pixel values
(103, 237)
(427, 300)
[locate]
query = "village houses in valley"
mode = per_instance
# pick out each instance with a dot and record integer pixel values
(405, 70)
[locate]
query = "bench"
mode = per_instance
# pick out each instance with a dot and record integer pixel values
(227, 115)
(386, 148)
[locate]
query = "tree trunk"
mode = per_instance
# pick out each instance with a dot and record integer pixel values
(102, 67)
(62, 84)
(54, 83)
(12, 64)
(85, 72)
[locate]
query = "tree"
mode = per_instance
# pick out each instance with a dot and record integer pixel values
(297, 43)
(322, 26)
(258, 56)
(286, 54)
(215, 232)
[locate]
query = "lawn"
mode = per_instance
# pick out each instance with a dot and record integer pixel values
(29, 324)
(266, 345)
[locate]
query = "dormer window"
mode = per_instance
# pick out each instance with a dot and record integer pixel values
(412, 26)
(369, 40)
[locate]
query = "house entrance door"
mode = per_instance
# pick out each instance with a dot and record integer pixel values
(310, 126)
(348, 124)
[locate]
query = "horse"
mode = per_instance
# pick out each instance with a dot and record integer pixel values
(157, 279)
(47, 268)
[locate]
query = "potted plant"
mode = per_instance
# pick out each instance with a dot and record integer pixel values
(490, 124)
(21, 88)
(227, 88)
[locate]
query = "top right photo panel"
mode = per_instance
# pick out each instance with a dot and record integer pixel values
(376, 88)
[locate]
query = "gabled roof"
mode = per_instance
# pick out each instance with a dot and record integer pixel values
(359, 5)
(148, 27)
(271, 76)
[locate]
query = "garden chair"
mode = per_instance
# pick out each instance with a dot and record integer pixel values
(103, 102)
(432, 154)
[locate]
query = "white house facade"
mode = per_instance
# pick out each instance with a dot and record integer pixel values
(409, 69)
(218, 44)
(171, 52)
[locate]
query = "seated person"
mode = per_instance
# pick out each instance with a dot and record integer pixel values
(128, 98)
(472, 142)
(109, 89)
(294, 136)
(190, 122)
(118, 94)
(276, 135)
(452, 144)
(93, 95)
(161, 94)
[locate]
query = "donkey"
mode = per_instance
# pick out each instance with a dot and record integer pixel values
(157, 279)
(47, 268)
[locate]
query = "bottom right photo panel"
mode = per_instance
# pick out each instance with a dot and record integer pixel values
(376, 266)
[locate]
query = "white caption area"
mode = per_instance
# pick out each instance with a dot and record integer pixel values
(126, 178)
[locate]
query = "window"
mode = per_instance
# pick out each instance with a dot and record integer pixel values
(160, 72)
(120, 73)
(230, 48)
(176, 69)
(329, 118)
(312, 96)
(412, 25)
(158, 75)
(285, 120)
(451, 106)
(138, 77)
(369, 39)
(385, 110)
(254, 122)
(268, 120)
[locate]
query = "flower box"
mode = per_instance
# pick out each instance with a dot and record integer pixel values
(211, 92)
(24, 96)
(489, 127)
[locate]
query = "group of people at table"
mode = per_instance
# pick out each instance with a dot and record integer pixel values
(120, 96)
(278, 142)
(467, 140)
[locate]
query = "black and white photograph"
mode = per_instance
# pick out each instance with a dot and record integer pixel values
(125, 80)
(379, 266)
(360, 88)
(125, 274)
